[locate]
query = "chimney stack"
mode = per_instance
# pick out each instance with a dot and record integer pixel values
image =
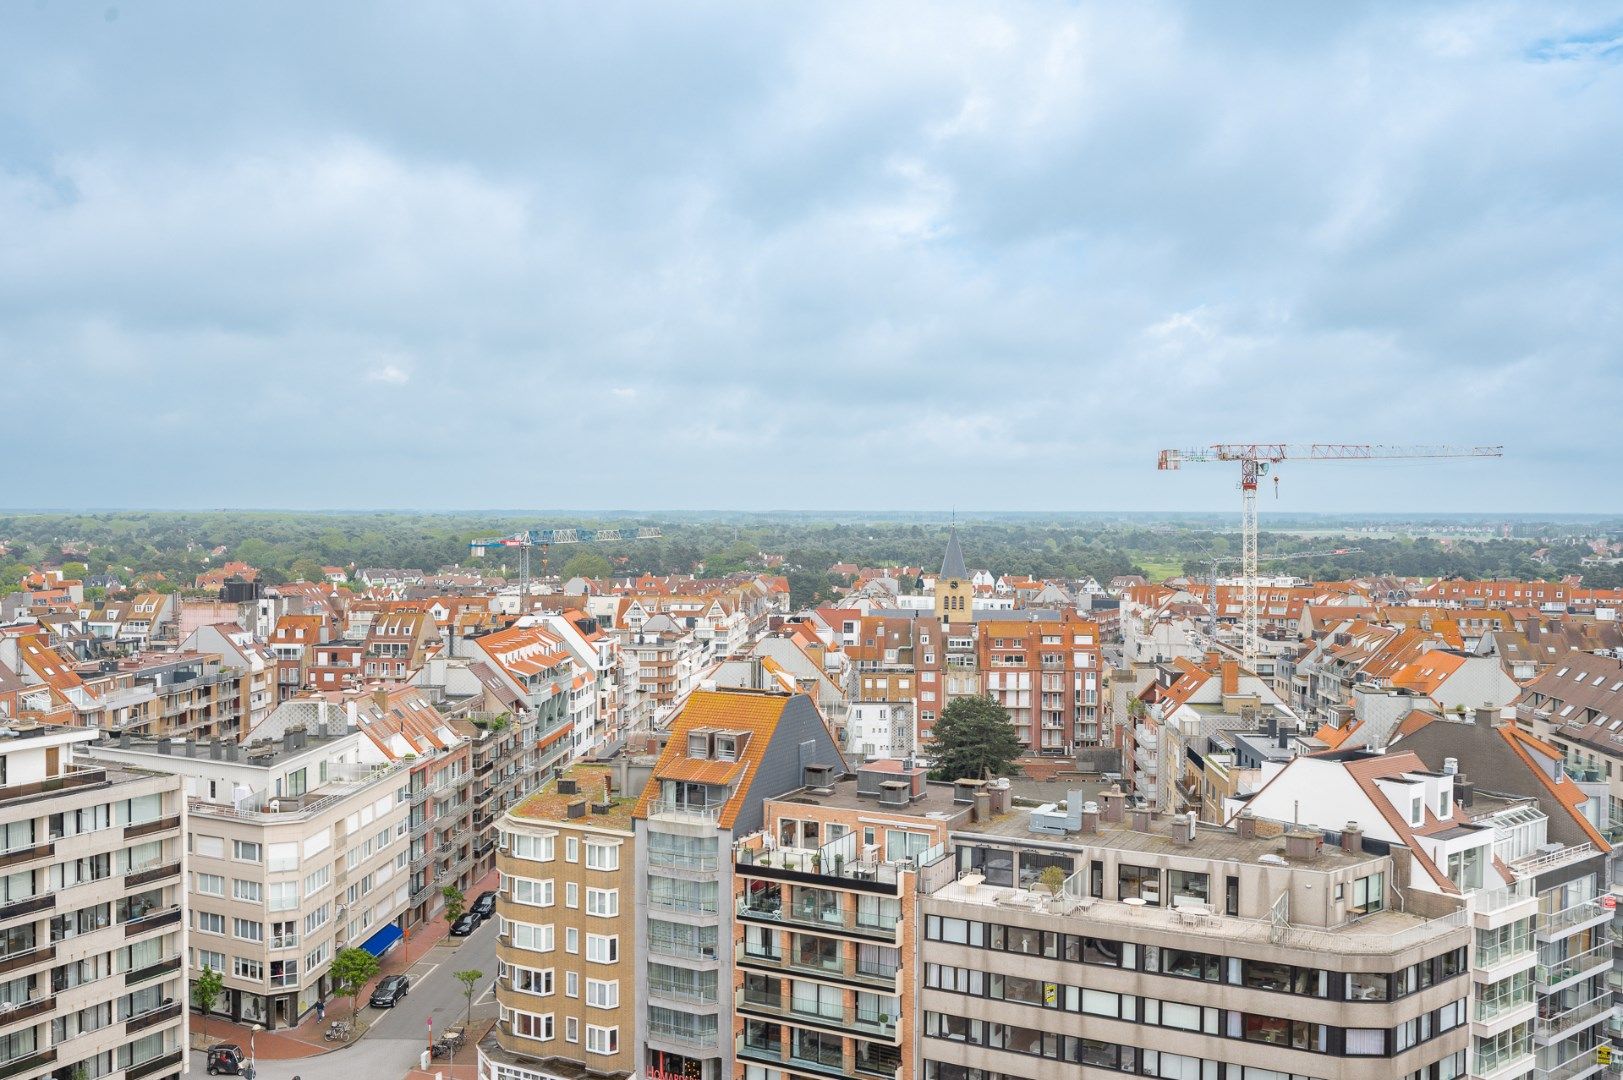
(1486, 717)
(1302, 844)
(1246, 826)
(1352, 838)
(1187, 824)
(1115, 804)
(983, 805)
(1464, 791)
(1140, 821)
(1090, 818)
(576, 808)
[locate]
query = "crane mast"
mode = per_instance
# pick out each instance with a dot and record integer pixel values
(1255, 459)
(529, 539)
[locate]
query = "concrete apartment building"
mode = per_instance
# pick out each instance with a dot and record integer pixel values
(728, 752)
(92, 930)
(298, 848)
(1186, 951)
(1043, 667)
(566, 982)
(826, 927)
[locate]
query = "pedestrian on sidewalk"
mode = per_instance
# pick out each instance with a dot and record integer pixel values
(321, 1010)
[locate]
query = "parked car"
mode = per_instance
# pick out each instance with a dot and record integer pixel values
(467, 924)
(391, 990)
(225, 1058)
(484, 905)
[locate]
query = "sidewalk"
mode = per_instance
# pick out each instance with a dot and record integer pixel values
(463, 1066)
(309, 1038)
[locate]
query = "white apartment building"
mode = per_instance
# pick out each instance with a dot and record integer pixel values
(92, 921)
(298, 848)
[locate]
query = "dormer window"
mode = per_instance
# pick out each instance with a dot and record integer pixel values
(726, 748)
(699, 745)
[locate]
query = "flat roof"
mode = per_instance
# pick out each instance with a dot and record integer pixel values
(551, 805)
(938, 799)
(1211, 841)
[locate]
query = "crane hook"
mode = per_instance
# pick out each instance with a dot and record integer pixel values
(1276, 486)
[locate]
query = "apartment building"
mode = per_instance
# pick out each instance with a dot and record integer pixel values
(504, 773)
(298, 848)
(566, 980)
(728, 752)
(826, 926)
(92, 930)
(530, 667)
(1181, 950)
(1043, 667)
(661, 660)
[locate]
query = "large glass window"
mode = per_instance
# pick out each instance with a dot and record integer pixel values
(1143, 882)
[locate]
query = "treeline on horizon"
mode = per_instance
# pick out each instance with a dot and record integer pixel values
(284, 543)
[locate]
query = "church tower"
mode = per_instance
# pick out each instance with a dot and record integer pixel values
(954, 592)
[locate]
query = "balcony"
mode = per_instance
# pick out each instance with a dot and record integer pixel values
(843, 1019)
(170, 1060)
(18, 961)
(671, 1033)
(151, 874)
(690, 813)
(1562, 973)
(152, 921)
(78, 779)
(1561, 923)
(1576, 1065)
(152, 971)
(19, 856)
(152, 1017)
(688, 995)
(28, 1063)
(1501, 1064)
(28, 906)
(1548, 1029)
(149, 828)
(11, 1014)
(842, 967)
(867, 924)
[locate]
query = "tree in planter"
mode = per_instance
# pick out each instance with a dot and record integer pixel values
(206, 990)
(973, 739)
(455, 903)
(469, 980)
(351, 970)
(1053, 877)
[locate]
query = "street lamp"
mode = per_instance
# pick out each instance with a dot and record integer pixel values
(253, 1057)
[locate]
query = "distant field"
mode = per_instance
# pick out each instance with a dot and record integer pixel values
(1157, 570)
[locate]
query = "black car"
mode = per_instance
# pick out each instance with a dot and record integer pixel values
(466, 925)
(484, 905)
(390, 992)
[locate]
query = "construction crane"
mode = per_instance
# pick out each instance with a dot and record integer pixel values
(1255, 460)
(1216, 561)
(530, 539)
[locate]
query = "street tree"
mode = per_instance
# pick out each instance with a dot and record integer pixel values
(206, 990)
(455, 903)
(351, 970)
(469, 980)
(974, 740)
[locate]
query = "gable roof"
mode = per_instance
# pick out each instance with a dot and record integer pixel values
(729, 710)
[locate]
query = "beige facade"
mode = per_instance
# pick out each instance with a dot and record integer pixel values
(567, 984)
(297, 849)
(92, 929)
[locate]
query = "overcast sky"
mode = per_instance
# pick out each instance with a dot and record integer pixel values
(802, 256)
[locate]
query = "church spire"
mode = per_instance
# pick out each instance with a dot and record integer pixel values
(952, 564)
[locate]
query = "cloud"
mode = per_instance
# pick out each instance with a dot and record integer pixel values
(1007, 251)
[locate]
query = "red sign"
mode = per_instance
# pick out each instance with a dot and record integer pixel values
(1608, 902)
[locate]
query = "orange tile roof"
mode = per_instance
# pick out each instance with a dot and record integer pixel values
(1428, 672)
(730, 710)
(1565, 790)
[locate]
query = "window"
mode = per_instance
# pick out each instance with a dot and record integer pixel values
(602, 856)
(245, 851)
(571, 849)
(602, 1040)
(245, 890)
(283, 895)
(537, 938)
(571, 894)
(210, 885)
(1189, 887)
(247, 930)
(602, 949)
(572, 1029)
(531, 980)
(244, 968)
(209, 922)
(537, 848)
(1369, 894)
(571, 940)
(207, 958)
(1143, 882)
(534, 893)
(602, 993)
(604, 903)
(536, 1026)
(317, 880)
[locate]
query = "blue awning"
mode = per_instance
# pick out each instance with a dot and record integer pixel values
(382, 941)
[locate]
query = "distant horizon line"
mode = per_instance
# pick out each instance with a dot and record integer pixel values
(946, 514)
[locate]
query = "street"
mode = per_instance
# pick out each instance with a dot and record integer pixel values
(398, 1036)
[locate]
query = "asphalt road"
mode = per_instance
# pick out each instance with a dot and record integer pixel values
(399, 1035)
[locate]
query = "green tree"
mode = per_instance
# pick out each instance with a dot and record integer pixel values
(206, 990)
(75, 570)
(586, 564)
(351, 970)
(455, 903)
(973, 739)
(307, 569)
(469, 980)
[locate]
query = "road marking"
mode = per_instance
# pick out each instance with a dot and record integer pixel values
(490, 992)
(416, 977)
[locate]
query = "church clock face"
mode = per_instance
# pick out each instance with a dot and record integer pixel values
(954, 585)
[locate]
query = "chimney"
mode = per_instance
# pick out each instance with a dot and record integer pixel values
(1187, 824)
(1115, 804)
(1000, 796)
(577, 808)
(1231, 677)
(124, 740)
(1286, 734)
(1451, 766)
(1090, 818)
(1464, 791)
(983, 806)
(1271, 725)
(566, 786)
(287, 741)
(216, 750)
(1140, 820)
(1302, 844)
(1486, 717)
(1246, 826)
(1352, 838)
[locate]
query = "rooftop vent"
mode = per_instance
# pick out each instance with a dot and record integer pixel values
(566, 786)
